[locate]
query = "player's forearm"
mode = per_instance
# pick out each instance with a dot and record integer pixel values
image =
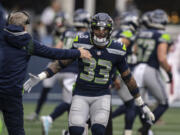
(162, 57)
(131, 83)
(54, 68)
(164, 64)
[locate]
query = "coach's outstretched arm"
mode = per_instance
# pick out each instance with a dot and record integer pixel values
(33, 47)
(54, 53)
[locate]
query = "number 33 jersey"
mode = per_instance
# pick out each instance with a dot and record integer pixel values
(95, 75)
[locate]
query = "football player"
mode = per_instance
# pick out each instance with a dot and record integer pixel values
(126, 34)
(67, 76)
(152, 45)
(91, 94)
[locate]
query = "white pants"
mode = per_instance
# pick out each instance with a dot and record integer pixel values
(98, 108)
(150, 79)
(66, 80)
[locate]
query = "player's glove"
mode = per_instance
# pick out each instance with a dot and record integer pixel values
(31, 82)
(170, 76)
(147, 114)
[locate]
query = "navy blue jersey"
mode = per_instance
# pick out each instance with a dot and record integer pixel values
(128, 34)
(16, 47)
(147, 43)
(95, 75)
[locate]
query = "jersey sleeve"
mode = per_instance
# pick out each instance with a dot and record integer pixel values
(121, 62)
(122, 65)
(165, 38)
(75, 42)
(127, 34)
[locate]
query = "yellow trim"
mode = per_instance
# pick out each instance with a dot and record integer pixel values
(76, 39)
(124, 47)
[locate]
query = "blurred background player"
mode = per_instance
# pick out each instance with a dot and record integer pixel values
(60, 26)
(80, 23)
(129, 23)
(67, 76)
(152, 47)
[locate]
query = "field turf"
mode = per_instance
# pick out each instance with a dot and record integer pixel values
(169, 124)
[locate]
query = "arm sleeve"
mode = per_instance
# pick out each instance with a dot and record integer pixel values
(122, 64)
(41, 50)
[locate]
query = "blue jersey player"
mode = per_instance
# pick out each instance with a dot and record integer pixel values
(91, 95)
(152, 46)
(126, 34)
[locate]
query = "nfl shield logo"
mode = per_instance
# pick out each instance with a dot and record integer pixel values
(98, 52)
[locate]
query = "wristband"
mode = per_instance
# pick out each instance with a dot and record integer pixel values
(42, 75)
(49, 71)
(139, 101)
(134, 92)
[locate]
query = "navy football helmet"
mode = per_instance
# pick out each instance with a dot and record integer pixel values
(103, 23)
(60, 19)
(155, 19)
(130, 20)
(159, 16)
(81, 18)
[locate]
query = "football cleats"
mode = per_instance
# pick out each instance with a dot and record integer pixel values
(101, 29)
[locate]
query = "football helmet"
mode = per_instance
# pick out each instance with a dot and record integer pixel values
(101, 29)
(130, 21)
(155, 19)
(81, 18)
(60, 19)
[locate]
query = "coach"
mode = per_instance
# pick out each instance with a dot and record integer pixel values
(16, 47)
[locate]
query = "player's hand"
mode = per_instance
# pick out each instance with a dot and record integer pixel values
(147, 114)
(31, 82)
(85, 53)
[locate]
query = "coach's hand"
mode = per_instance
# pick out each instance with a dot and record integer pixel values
(85, 53)
(31, 82)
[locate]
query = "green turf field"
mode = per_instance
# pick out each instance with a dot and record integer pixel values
(169, 126)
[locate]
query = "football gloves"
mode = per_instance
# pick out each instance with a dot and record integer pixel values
(146, 112)
(31, 82)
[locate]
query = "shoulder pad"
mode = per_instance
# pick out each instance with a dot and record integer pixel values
(82, 40)
(70, 34)
(117, 48)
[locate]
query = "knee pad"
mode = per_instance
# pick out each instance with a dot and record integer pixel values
(98, 129)
(75, 130)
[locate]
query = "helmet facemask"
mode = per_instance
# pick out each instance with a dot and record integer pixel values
(101, 29)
